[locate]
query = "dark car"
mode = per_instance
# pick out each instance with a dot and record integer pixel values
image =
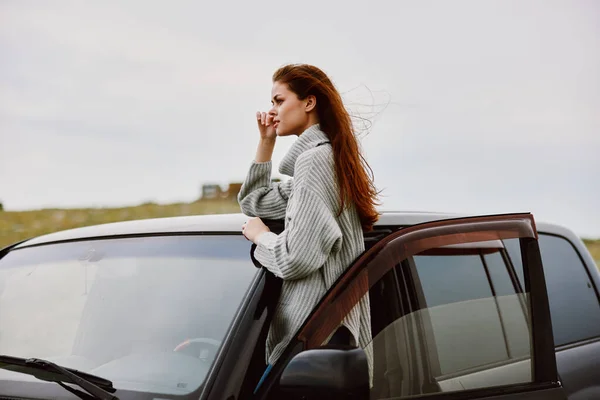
(462, 307)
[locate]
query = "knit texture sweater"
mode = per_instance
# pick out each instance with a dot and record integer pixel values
(316, 245)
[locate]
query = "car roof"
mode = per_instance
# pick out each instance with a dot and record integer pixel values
(214, 223)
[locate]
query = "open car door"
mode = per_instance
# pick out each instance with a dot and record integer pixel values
(464, 327)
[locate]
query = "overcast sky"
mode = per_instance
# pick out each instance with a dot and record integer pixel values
(476, 106)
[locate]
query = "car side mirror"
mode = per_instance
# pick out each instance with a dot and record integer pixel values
(327, 373)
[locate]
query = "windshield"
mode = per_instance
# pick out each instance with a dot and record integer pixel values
(147, 313)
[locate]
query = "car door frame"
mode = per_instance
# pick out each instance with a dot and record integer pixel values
(412, 240)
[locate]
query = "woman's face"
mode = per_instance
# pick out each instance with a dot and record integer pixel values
(291, 116)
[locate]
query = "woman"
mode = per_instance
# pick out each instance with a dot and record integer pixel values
(327, 204)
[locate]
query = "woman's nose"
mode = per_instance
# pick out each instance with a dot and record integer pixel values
(272, 111)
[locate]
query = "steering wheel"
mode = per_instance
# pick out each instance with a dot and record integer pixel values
(207, 345)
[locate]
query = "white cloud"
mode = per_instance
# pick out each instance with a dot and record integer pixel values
(493, 105)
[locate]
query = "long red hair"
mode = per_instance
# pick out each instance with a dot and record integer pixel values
(353, 173)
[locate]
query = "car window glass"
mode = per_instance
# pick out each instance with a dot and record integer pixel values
(500, 276)
(455, 334)
(574, 306)
(467, 320)
(514, 254)
(148, 313)
(458, 278)
(573, 302)
(515, 324)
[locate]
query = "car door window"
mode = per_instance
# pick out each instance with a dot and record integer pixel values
(462, 322)
(466, 316)
(386, 307)
(573, 301)
(451, 279)
(512, 303)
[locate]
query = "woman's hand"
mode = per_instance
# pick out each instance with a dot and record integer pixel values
(264, 152)
(253, 228)
(265, 126)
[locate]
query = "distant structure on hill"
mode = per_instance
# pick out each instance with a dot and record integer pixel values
(215, 191)
(211, 191)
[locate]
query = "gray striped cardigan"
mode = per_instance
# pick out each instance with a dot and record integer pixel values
(315, 247)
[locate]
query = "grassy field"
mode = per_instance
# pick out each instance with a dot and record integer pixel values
(19, 225)
(594, 247)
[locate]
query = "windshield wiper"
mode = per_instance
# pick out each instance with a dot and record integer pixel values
(99, 387)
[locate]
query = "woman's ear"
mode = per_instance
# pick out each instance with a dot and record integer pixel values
(311, 103)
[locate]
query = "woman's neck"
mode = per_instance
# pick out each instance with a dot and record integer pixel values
(312, 120)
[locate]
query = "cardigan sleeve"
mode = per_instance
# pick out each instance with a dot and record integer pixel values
(259, 197)
(311, 235)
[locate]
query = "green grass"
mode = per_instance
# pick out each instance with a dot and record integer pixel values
(594, 248)
(19, 225)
